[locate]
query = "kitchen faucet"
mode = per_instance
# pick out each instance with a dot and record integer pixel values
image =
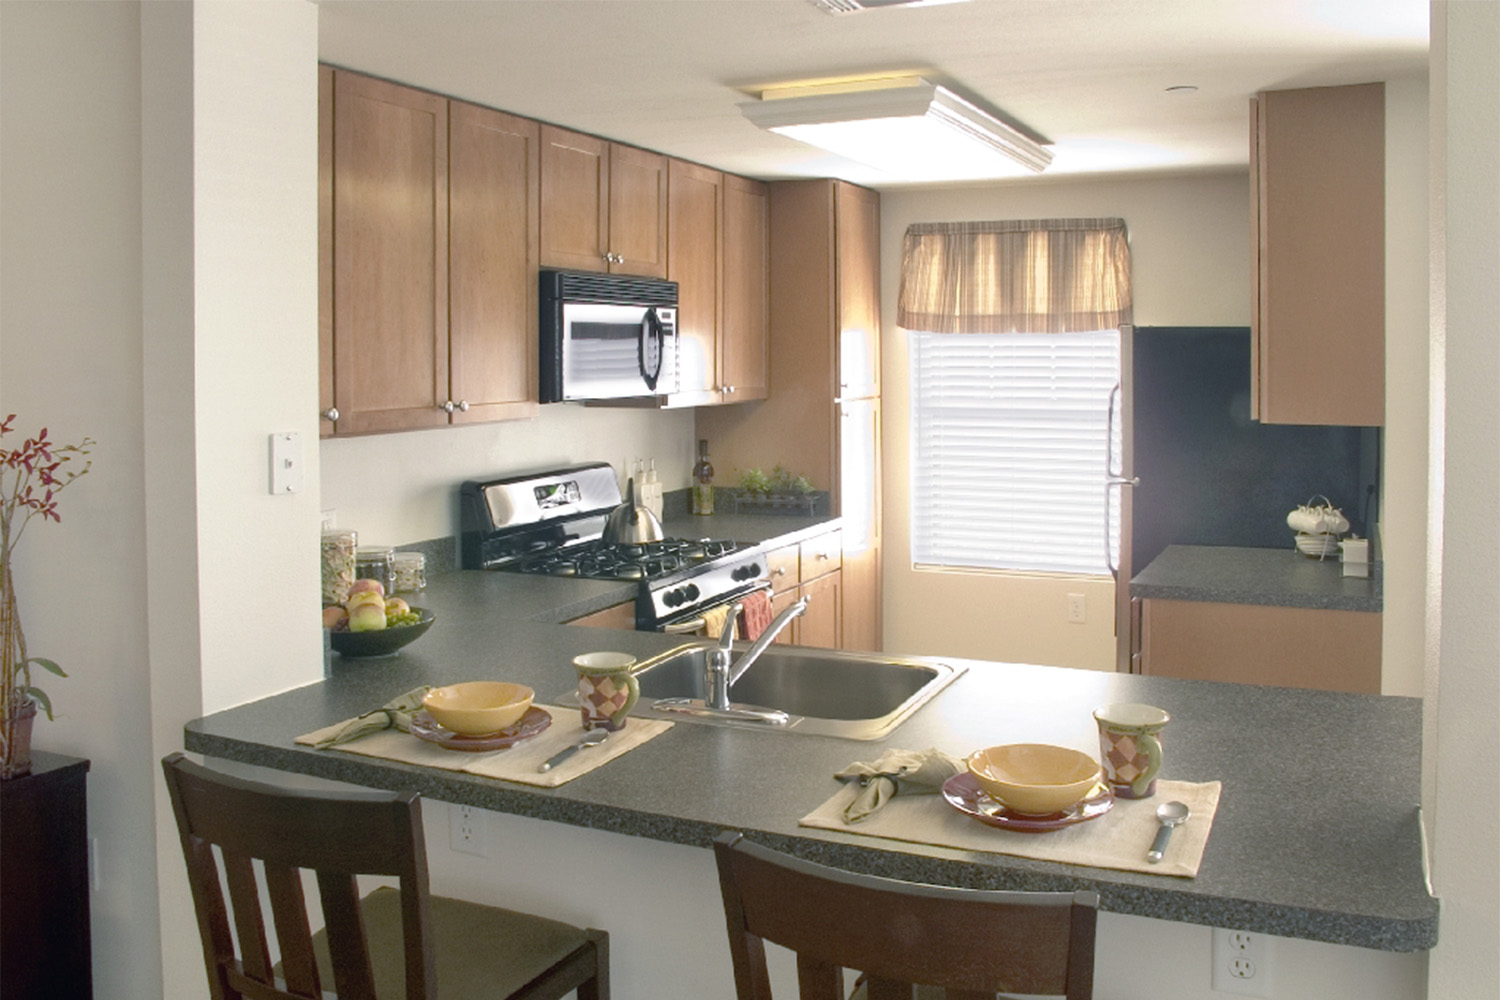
(718, 675)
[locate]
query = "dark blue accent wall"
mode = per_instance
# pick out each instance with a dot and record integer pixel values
(1212, 476)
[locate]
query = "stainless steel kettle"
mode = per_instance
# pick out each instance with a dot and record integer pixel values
(630, 522)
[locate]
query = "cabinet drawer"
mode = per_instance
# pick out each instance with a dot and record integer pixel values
(823, 554)
(782, 566)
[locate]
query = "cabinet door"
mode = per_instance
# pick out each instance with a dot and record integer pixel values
(326, 411)
(822, 622)
(744, 330)
(782, 568)
(1256, 644)
(638, 211)
(695, 217)
(390, 255)
(790, 636)
(1319, 229)
(494, 194)
(859, 506)
(575, 200)
(858, 277)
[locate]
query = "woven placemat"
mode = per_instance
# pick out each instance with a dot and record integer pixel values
(1117, 839)
(516, 763)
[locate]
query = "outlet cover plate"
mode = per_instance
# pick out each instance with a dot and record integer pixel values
(466, 833)
(1242, 963)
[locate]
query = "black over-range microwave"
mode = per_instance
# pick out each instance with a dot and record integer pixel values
(606, 336)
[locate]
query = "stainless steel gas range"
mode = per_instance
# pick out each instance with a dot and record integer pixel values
(552, 523)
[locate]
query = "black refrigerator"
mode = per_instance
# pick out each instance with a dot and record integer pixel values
(1206, 474)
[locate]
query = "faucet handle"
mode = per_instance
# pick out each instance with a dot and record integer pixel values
(731, 624)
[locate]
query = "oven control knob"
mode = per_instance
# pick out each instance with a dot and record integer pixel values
(672, 598)
(745, 572)
(692, 591)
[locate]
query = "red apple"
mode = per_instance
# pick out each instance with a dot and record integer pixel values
(366, 584)
(335, 617)
(396, 606)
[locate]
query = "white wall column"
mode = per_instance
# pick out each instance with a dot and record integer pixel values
(1461, 714)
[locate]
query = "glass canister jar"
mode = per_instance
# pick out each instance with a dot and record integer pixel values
(339, 546)
(411, 571)
(376, 562)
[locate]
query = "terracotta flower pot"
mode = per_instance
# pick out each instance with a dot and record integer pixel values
(15, 742)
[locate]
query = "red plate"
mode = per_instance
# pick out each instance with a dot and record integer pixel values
(425, 727)
(964, 794)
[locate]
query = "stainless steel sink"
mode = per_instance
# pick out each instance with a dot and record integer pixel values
(860, 696)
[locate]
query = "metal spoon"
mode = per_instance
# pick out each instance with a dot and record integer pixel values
(1168, 814)
(590, 738)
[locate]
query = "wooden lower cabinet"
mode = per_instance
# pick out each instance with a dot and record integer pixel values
(615, 616)
(811, 569)
(1258, 644)
(821, 625)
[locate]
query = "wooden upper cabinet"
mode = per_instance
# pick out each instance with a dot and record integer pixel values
(858, 277)
(1318, 232)
(744, 339)
(575, 200)
(638, 211)
(429, 215)
(390, 255)
(695, 227)
(494, 185)
(326, 410)
(604, 205)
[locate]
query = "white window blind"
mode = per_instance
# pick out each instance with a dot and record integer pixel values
(1010, 440)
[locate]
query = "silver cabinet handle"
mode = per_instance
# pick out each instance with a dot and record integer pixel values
(728, 389)
(781, 571)
(332, 413)
(463, 406)
(448, 407)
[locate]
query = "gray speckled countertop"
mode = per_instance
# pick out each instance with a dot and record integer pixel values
(1317, 833)
(1279, 577)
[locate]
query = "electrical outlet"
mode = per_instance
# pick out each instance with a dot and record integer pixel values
(466, 830)
(1077, 610)
(1242, 963)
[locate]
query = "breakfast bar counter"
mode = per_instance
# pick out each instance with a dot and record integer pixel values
(1317, 833)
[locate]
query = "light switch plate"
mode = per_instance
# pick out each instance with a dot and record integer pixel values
(286, 463)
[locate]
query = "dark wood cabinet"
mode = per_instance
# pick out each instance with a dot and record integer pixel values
(44, 880)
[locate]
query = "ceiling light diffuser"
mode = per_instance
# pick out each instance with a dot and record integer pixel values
(905, 126)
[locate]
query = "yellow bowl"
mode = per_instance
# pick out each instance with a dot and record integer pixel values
(1034, 778)
(478, 708)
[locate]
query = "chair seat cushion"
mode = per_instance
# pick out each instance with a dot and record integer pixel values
(481, 951)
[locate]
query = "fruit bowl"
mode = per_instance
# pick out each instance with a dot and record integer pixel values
(380, 642)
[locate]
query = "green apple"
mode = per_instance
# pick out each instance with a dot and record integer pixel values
(367, 618)
(364, 597)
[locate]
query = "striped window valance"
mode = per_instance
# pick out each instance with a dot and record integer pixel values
(1015, 276)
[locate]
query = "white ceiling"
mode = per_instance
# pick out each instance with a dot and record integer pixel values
(1091, 76)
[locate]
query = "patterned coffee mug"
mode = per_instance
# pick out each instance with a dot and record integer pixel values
(1130, 747)
(607, 689)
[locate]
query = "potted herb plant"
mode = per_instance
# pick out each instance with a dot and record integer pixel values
(31, 476)
(780, 491)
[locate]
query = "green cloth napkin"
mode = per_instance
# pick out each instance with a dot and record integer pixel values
(394, 714)
(896, 772)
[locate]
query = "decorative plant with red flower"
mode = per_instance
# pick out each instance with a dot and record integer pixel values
(31, 477)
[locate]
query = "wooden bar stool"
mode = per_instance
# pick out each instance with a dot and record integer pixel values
(972, 943)
(391, 944)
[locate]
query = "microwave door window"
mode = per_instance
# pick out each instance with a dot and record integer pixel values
(601, 352)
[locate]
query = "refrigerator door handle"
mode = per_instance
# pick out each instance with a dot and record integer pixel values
(1112, 477)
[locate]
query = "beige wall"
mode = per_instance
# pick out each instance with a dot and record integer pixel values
(1190, 258)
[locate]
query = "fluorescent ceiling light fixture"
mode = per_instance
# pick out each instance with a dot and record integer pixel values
(854, 6)
(902, 125)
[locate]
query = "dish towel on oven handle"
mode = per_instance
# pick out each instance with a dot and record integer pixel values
(714, 620)
(897, 772)
(755, 615)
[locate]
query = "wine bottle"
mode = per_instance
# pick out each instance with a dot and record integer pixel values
(703, 482)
